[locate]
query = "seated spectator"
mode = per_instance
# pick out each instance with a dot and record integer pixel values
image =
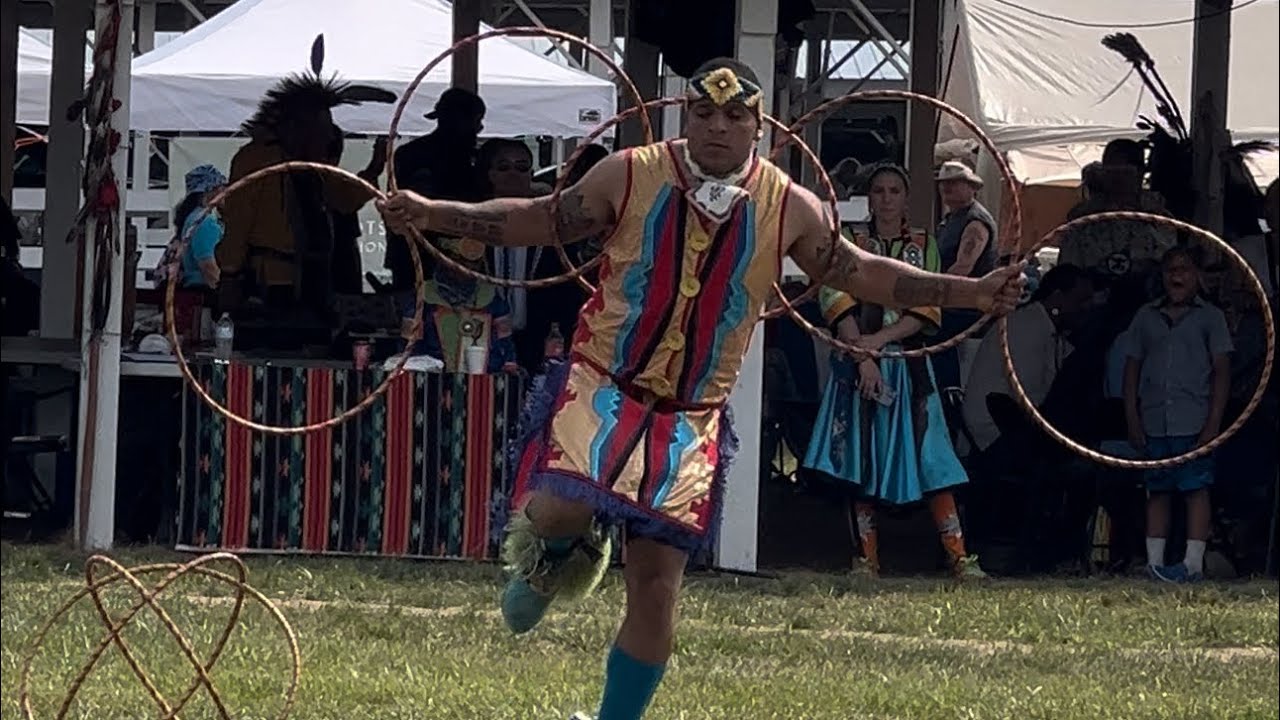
(1038, 343)
(1114, 249)
(460, 312)
(1176, 383)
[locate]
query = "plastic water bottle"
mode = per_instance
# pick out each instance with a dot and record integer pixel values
(224, 335)
(553, 348)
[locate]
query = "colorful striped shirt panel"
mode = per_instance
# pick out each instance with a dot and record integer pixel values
(660, 343)
(919, 250)
(678, 295)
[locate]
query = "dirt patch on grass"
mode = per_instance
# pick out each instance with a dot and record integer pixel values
(969, 645)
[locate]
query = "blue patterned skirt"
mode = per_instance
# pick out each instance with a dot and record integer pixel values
(897, 453)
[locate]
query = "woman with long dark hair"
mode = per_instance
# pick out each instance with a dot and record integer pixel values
(881, 425)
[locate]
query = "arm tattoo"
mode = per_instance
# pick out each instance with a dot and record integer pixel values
(918, 291)
(842, 264)
(573, 221)
(475, 222)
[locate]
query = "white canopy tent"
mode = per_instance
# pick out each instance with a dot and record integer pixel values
(1050, 95)
(211, 78)
(35, 61)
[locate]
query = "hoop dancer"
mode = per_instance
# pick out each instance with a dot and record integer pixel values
(634, 427)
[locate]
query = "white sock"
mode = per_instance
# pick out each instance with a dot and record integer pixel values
(1195, 556)
(1155, 551)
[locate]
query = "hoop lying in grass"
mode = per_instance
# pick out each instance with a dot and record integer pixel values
(94, 584)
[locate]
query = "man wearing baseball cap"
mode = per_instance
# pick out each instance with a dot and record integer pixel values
(438, 165)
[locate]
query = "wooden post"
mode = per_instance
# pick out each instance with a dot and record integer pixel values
(8, 94)
(466, 62)
(1209, 70)
(922, 121)
(100, 352)
(640, 62)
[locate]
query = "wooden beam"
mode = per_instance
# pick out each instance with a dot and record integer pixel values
(922, 121)
(467, 15)
(1210, 65)
(8, 94)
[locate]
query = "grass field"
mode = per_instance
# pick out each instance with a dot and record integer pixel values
(400, 640)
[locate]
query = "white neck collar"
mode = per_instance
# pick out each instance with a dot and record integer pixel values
(733, 178)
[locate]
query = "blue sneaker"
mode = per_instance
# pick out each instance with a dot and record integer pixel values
(1176, 574)
(523, 606)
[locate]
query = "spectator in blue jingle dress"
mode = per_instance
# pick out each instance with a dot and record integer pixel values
(1176, 382)
(881, 426)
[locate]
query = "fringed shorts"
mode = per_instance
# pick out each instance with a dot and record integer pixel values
(657, 470)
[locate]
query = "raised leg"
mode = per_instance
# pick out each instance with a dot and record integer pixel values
(552, 549)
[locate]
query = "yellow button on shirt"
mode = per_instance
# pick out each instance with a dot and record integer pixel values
(675, 341)
(689, 287)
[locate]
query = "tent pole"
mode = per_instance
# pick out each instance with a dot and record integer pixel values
(146, 37)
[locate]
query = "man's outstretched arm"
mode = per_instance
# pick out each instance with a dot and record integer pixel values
(885, 281)
(586, 209)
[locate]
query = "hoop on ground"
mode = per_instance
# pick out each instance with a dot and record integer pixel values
(172, 285)
(1014, 229)
(1020, 393)
(148, 598)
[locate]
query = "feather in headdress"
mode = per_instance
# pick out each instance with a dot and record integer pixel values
(310, 92)
(1128, 47)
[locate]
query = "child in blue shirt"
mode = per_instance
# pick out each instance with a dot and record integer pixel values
(1176, 382)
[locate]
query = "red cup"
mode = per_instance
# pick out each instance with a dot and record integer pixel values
(360, 352)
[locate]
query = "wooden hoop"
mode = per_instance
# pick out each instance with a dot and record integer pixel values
(148, 598)
(523, 31)
(172, 285)
(574, 272)
(1020, 393)
(1014, 229)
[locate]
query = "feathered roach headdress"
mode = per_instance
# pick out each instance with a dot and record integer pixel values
(309, 92)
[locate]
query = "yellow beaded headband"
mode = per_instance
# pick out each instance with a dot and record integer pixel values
(722, 86)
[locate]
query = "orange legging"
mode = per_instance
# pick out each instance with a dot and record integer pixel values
(943, 507)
